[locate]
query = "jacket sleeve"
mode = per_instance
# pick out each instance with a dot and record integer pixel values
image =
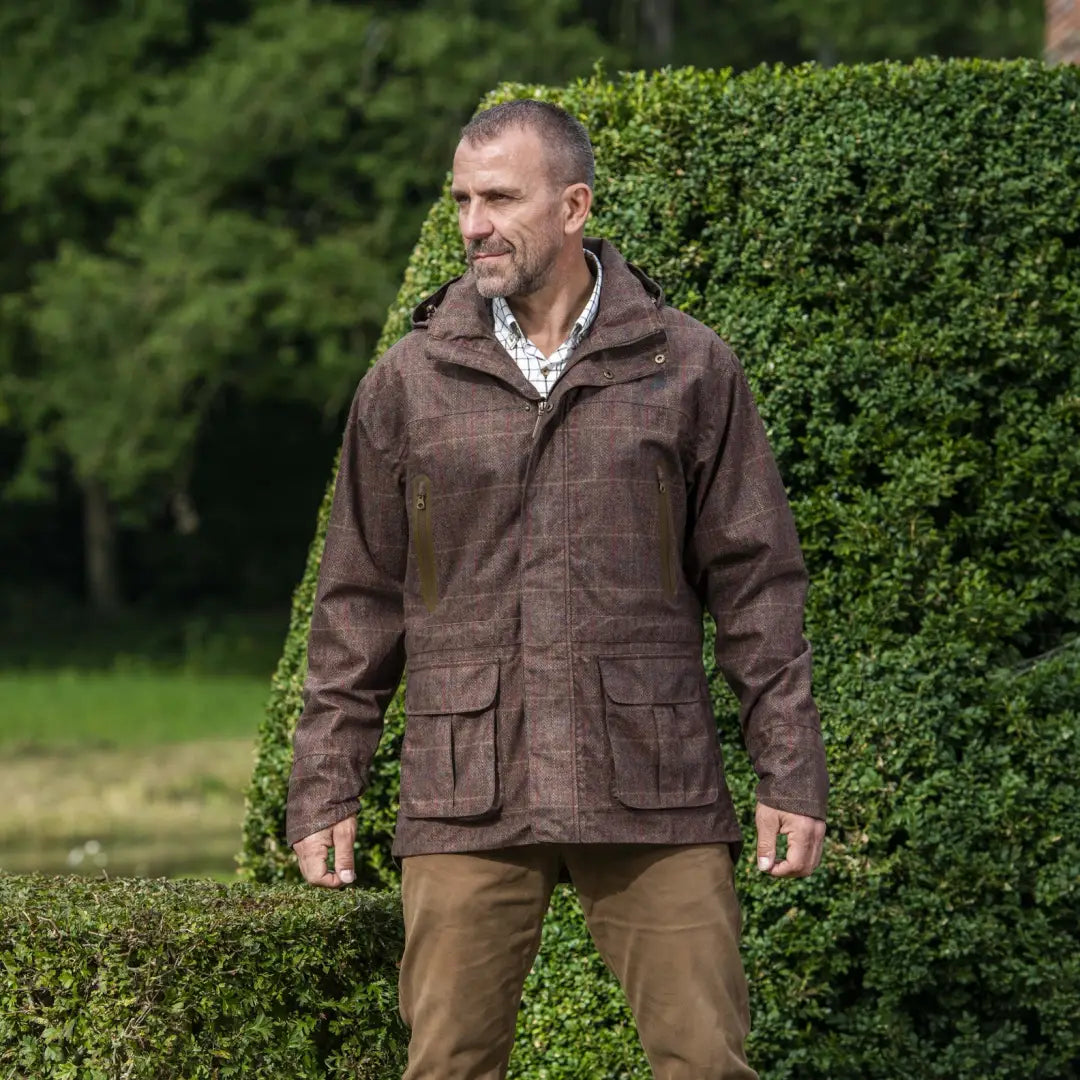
(744, 561)
(356, 650)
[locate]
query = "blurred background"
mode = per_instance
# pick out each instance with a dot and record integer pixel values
(205, 210)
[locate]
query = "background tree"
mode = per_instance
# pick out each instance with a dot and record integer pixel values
(75, 88)
(239, 220)
(741, 34)
(846, 31)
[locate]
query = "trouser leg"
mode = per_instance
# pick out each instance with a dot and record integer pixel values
(666, 921)
(472, 930)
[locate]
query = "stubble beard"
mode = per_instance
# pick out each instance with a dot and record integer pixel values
(520, 274)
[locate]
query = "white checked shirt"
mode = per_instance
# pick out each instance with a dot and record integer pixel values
(542, 371)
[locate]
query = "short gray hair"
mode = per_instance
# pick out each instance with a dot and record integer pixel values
(574, 163)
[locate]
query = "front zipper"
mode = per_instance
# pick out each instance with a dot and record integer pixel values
(667, 566)
(425, 545)
(544, 405)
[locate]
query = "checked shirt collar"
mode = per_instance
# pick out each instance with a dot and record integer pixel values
(542, 371)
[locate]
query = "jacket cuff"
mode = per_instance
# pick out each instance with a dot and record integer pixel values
(802, 807)
(794, 776)
(323, 790)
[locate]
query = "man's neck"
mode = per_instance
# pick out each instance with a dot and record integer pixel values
(547, 316)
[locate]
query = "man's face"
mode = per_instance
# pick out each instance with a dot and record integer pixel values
(509, 212)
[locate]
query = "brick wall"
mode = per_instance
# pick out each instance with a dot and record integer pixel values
(1063, 31)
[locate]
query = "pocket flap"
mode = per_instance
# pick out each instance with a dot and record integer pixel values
(644, 680)
(451, 688)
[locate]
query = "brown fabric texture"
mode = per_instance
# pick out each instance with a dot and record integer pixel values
(543, 566)
(665, 919)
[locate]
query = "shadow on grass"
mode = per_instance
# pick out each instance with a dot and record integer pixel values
(48, 632)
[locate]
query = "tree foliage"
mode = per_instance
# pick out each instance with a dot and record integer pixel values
(232, 212)
(832, 30)
(741, 34)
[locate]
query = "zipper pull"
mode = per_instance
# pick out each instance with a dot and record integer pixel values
(541, 405)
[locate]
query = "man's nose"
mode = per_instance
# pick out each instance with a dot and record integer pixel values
(475, 223)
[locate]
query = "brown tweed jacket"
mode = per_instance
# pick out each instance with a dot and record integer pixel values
(543, 566)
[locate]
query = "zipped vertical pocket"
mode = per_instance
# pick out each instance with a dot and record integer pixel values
(422, 539)
(667, 563)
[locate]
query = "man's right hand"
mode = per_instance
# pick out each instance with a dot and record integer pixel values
(313, 850)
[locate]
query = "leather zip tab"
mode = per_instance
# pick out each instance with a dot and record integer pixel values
(667, 566)
(425, 544)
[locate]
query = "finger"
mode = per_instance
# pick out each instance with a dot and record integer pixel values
(326, 880)
(311, 866)
(819, 846)
(768, 827)
(821, 843)
(797, 862)
(815, 839)
(311, 853)
(344, 833)
(804, 849)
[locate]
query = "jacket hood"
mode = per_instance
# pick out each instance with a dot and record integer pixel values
(629, 297)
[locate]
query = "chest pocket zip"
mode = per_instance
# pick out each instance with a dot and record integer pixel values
(425, 545)
(667, 565)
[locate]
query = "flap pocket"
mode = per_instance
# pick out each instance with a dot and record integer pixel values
(448, 759)
(661, 731)
(451, 688)
(640, 680)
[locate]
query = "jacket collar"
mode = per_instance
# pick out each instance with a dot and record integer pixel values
(459, 330)
(630, 306)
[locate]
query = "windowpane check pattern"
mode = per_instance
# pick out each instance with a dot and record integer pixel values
(542, 371)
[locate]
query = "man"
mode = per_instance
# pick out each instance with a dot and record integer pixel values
(541, 487)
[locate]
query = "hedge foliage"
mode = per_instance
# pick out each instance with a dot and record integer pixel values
(155, 980)
(894, 253)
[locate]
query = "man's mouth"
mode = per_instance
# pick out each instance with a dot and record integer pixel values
(481, 256)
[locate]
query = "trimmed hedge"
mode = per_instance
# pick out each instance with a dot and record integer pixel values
(163, 979)
(894, 252)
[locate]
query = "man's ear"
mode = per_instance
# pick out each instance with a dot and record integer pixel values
(577, 202)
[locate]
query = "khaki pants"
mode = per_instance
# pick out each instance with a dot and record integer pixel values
(665, 919)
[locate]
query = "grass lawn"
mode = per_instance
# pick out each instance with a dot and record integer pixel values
(126, 773)
(125, 709)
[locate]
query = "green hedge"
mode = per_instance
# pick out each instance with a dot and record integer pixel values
(894, 252)
(161, 980)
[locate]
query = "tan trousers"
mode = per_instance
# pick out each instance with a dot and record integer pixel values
(665, 919)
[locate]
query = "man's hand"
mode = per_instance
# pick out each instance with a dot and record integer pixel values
(806, 835)
(312, 852)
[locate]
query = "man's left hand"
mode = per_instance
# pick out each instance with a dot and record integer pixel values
(805, 839)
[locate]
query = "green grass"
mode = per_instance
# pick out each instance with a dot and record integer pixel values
(128, 742)
(148, 768)
(72, 707)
